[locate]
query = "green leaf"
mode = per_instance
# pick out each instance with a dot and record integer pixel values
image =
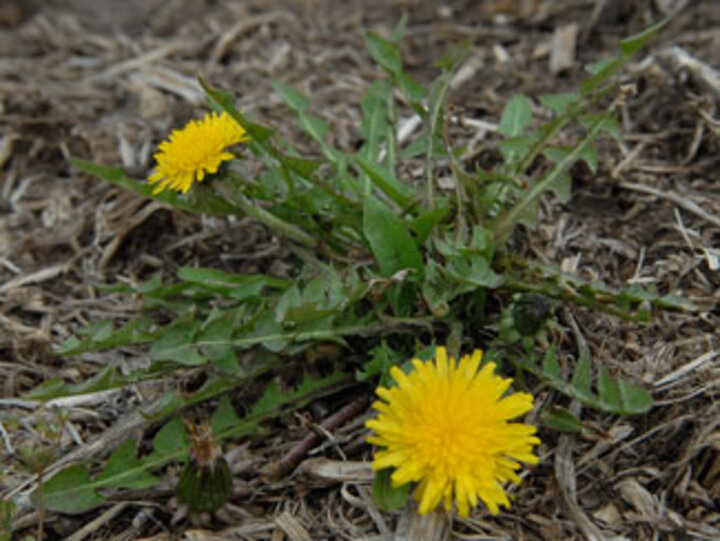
(69, 491)
(274, 398)
(236, 286)
(675, 302)
(582, 375)
(135, 331)
(125, 470)
(632, 44)
(423, 224)
(561, 187)
(302, 166)
(382, 359)
(209, 204)
(384, 52)
(473, 270)
(451, 60)
(636, 399)
(609, 123)
(420, 146)
(550, 364)
(613, 396)
(170, 439)
(436, 291)
(516, 116)
(318, 129)
(608, 388)
(514, 149)
(108, 378)
(385, 180)
(375, 126)
(604, 69)
(399, 30)
(558, 153)
(559, 103)
(387, 497)
(527, 215)
(222, 356)
(435, 115)
(7, 510)
(224, 416)
(561, 419)
(295, 99)
(259, 134)
(389, 239)
(524, 210)
(597, 67)
(169, 345)
(414, 92)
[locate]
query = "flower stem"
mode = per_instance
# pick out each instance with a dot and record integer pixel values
(236, 198)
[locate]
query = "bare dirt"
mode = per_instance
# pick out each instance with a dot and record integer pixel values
(107, 80)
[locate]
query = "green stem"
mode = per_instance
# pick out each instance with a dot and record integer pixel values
(505, 223)
(555, 125)
(435, 117)
(236, 198)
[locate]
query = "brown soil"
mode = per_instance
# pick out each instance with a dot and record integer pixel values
(107, 80)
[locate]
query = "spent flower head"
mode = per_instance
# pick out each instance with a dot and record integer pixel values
(194, 151)
(445, 425)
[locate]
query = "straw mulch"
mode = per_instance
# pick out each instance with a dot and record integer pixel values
(107, 80)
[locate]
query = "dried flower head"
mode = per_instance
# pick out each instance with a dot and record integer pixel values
(205, 484)
(445, 425)
(194, 151)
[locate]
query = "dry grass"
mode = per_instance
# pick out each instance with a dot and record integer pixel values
(87, 79)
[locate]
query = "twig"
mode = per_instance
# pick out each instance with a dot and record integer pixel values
(43, 275)
(679, 59)
(293, 457)
(94, 525)
(6, 440)
(688, 205)
(566, 477)
(244, 25)
(138, 62)
(686, 369)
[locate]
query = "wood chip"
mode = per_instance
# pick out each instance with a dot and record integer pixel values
(42, 275)
(562, 48)
(292, 527)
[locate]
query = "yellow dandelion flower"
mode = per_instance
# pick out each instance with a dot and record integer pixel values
(195, 151)
(445, 426)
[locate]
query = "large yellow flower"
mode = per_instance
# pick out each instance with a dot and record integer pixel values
(445, 426)
(194, 151)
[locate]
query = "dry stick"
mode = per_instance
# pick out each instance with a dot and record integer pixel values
(679, 59)
(244, 25)
(41, 506)
(688, 205)
(564, 466)
(94, 525)
(293, 457)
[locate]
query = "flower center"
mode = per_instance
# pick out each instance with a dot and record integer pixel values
(449, 436)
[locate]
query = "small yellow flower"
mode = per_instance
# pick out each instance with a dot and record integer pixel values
(445, 426)
(194, 151)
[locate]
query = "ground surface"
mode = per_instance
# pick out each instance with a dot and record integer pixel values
(107, 80)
